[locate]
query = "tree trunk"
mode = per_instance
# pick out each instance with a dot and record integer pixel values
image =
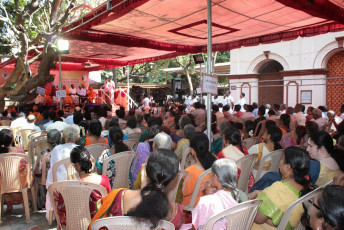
(189, 81)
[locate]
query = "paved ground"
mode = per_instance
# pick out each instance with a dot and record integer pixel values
(16, 220)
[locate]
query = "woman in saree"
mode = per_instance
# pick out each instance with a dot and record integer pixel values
(199, 146)
(234, 150)
(82, 162)
(320, 148)
(294, 167)
(6, 139)
(295, 137)
(271, 139)
(151, 202)
(223, 177)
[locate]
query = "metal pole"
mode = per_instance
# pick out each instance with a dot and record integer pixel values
(128, 86)
(60, 80)
(209, 69)
(201, 77)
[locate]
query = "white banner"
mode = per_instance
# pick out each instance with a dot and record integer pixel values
(40, 90)
(209, 84)
(61, 93)
(199, 90)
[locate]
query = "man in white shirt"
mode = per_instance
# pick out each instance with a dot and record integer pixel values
(317, 115)
(20, 121)
(242, 102)
(216, 100)
(72, 91)
(300, 117)
(193, 99)
(283, 109)
(52, 117)
(81, 92)
(109, 88)
(228, 100)
(145, 102)
(31, 123)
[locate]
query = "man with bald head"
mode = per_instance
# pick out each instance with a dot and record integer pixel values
(31, 123)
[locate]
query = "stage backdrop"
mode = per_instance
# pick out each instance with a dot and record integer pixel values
(71, 77)
(68, 77)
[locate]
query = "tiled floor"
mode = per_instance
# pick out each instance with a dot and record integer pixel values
(16, 220)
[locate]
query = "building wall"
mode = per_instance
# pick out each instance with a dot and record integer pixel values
(304, 61)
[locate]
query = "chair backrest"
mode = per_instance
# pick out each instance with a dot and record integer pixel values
(286, 216)
(249, 142)
(38, 145)
(262, 129)
(4, 127)
(131, 144)
(76, 196)
(15, 139)
(239, 217)
(275, 161)
(135, 136)
(36, 134)
(23, 138)
(246, 165)
(71, 173)
(45, 158)
(123, 162)
(185, 155)
(9, 171)
(192, 202)
(172, 187)
(5, 122)
(127, 222)
(96, 150)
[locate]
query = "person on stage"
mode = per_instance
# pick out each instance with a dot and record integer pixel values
(109, 89)
(72, 91)
(91, 95)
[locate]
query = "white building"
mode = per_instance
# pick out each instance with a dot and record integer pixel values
(298, 71)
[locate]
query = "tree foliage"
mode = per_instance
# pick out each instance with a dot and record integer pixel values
(29, 29)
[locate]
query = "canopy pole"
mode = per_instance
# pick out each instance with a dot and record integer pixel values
(127, 72)
(60, 80)
(209, 69)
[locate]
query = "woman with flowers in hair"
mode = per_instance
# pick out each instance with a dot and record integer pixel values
(151, 202)
(296, 183)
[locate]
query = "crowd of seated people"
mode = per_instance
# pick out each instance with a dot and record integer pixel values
(313, 156)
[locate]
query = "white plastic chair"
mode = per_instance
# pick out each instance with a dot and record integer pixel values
(275, 161)
(123, 162)
(4, 127)
(127, 223)
(186, 154)
(239, 217)
(71, 173)
(285, 219)
(246, 165)
(76, 196)
(132, 144)
(135, 137)
(172, 187)
(192, 202)
(22, 138)
(249, 142)
(96, 150)
(10, 180)
(36, 146)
